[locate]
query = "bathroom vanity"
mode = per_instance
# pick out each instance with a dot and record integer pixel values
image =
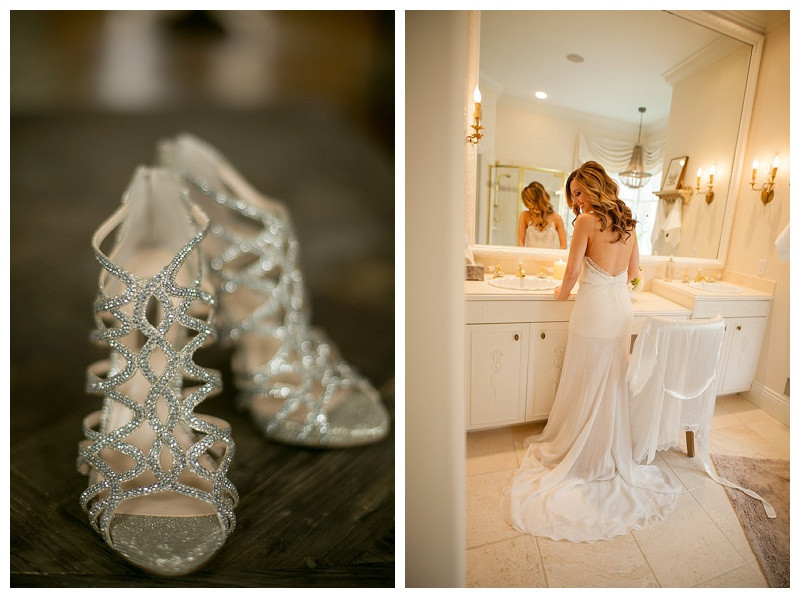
(745, 312)
(515, 343)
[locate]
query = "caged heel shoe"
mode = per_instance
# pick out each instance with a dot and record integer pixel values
(290, 378)
(158, 492)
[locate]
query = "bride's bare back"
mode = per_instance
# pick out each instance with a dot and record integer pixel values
(604, 250)
(602, 247)
(594, 196)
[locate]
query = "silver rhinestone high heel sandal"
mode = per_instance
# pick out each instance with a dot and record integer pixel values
(290, 378)
(158, 492)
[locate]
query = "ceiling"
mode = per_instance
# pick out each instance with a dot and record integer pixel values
(626, 54)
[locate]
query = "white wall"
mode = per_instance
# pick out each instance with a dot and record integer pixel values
(436, 74)
(756, 226)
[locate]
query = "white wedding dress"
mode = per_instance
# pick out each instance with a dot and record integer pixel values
(578, 480)
(547, 238)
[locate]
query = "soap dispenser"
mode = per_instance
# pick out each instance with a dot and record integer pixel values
(670, 269)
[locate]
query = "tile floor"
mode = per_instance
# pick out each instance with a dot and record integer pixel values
(700, 544)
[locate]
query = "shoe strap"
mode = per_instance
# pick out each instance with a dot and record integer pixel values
(303, 351)
(212, 440)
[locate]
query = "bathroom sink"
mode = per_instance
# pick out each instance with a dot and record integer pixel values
(716, 287)
(529, 283)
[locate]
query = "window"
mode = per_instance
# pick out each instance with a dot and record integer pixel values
(643, 204)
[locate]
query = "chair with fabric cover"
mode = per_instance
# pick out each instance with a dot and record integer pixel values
(672, 381)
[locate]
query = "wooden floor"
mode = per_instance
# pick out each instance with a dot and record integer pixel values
(306, 517)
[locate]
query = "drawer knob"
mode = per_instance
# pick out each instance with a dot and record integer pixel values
(516, 337)
(543, 335)
(738, 328)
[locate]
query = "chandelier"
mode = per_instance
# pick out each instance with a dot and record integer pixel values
(635, 176)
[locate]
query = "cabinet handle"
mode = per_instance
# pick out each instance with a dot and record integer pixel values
(738, 328)
(516, 337)
(543, 335)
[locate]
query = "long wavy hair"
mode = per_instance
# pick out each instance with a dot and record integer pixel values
(602, 195)
(537, 200)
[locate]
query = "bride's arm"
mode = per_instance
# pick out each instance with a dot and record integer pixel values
(577, 249)
(633, 263)
(522, 224)
(562, 232)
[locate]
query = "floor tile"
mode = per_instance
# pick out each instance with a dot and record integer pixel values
(775, 433)
(490, 450)
(715, 501)
(687, 548)
(746, 442)
(615, 563)
(760, 575)
(723, 418)
(689, 470)
(741, 577)
(484, 522)
(742, 409)
(511, 563)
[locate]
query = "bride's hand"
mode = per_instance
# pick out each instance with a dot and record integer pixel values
(557, 291)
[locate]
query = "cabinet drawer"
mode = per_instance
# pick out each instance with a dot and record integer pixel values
(731, 309)
(493, 312)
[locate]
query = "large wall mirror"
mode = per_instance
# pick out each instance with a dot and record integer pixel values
(694, 72)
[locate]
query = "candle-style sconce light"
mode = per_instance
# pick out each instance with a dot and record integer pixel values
(476, 125)
(711, 173)
(766, 189)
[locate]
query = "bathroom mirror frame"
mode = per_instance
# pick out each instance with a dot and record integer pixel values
(490, 253)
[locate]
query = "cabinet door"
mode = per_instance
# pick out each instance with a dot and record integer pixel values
(740, 352)
(547, 345)
(498, 365)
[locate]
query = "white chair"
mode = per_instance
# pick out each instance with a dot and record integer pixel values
(672, 381)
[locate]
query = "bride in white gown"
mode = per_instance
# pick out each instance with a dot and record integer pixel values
(578, 480)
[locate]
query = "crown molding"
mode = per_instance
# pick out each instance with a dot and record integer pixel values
(701, 60)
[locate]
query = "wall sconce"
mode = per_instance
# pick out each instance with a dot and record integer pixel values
(710, 192)
(766, 189)
(476, 136)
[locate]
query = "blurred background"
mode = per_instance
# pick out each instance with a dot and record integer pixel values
(302, 104)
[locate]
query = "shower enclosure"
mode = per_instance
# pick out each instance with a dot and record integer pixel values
(504, 199)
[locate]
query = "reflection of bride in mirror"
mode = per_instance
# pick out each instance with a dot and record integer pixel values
(539, 225)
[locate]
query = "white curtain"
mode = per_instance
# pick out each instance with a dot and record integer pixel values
(614, 154)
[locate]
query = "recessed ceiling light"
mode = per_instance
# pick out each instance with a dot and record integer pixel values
(574, 58)
(542, 95)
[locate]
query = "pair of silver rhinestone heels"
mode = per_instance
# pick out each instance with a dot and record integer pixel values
(199, 254)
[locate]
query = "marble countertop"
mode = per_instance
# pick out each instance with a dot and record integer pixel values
(484, 290)
(650, 303)
(643, 302)
(685, 287)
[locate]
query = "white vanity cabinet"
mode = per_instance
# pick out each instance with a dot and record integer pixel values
(498, 371)
(745, 316)
(546, 350)
(740, 351)
(514, 351)
(514, 348)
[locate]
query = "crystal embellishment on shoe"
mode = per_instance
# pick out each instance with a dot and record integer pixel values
(158, 492)
(290, 378)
